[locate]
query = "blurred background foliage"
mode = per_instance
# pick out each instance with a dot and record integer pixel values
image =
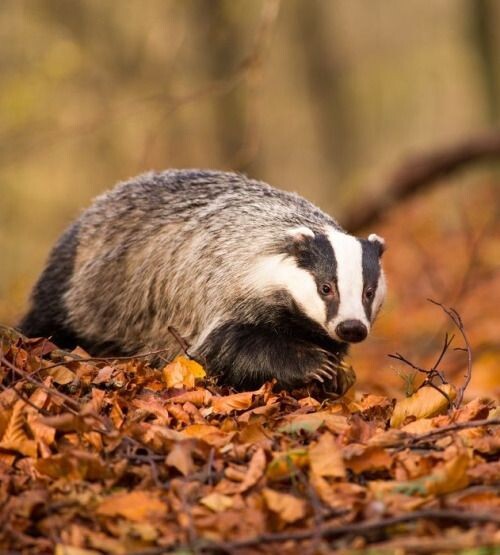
(324, 97)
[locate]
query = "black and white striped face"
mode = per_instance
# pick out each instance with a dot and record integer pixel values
(335, 278)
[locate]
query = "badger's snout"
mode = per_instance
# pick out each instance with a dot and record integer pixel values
(351, 331)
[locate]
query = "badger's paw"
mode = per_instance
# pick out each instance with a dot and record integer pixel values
(334, 376)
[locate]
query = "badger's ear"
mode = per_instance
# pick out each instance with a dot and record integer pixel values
(298, 239)
(379, 241)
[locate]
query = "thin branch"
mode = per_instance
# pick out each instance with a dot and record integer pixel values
(183, 344)
(455, 317)
(77, 358)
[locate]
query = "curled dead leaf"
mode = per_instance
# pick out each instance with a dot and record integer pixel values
(426, 402)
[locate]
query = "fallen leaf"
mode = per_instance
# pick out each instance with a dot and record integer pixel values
(137, 506)
(15, 437)
(288, 507)
(287, 464)
(255, 471)
(180, 457)
(210, 434)
(235, 402)
(182, 372)
(217, 502)
(426, 402)
(325, 458)
(61, 375)
(362, 458)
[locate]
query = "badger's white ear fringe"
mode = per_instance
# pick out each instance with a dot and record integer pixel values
(374, 238)
(300, 231)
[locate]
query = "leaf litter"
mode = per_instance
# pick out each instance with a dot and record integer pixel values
(103, 456)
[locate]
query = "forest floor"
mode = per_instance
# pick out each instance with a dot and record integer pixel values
(113, 456)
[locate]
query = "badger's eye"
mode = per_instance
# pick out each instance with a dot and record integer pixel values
(326, 289)
(369, 293)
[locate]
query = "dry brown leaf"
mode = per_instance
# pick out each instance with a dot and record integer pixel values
(210, 434)
(235, 402)
(61, 375)
(426, 402)
(180, 457)
(217, 502)
(287, 464)
(15, 437)
(40, 430)
(198, 397)
(362, 458)
(138, 506)
(255, 471)
(445, 478)
(288, 507)
(325, 458)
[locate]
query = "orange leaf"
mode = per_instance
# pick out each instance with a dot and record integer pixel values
(209, 434)
(137, 506)
(238, 401)
(182, 372)
(325, 458)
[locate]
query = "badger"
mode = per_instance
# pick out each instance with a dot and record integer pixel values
(259, 282)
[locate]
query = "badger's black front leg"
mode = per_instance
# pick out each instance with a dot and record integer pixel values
(245, 356)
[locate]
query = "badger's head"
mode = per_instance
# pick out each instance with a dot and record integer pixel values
(335, 279)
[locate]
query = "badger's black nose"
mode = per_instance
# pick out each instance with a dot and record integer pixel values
(351, 331)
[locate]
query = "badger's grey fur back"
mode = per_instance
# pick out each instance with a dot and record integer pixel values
(179, 248)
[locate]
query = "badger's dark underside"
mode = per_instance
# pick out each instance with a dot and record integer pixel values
(286, 348)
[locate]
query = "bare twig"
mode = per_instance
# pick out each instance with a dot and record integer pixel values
(183, 344)
(434, 371)
(455, 317)
(77, 358)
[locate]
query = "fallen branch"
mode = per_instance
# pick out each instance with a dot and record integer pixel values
(359, 528)
(419, 173)
(454, 428)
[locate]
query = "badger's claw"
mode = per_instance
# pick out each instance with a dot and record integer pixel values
(335, 377)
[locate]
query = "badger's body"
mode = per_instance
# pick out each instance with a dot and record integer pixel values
(259, 282)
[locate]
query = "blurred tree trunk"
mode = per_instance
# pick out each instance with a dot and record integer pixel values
(323, 69)
(485, 29)
(221, 41)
